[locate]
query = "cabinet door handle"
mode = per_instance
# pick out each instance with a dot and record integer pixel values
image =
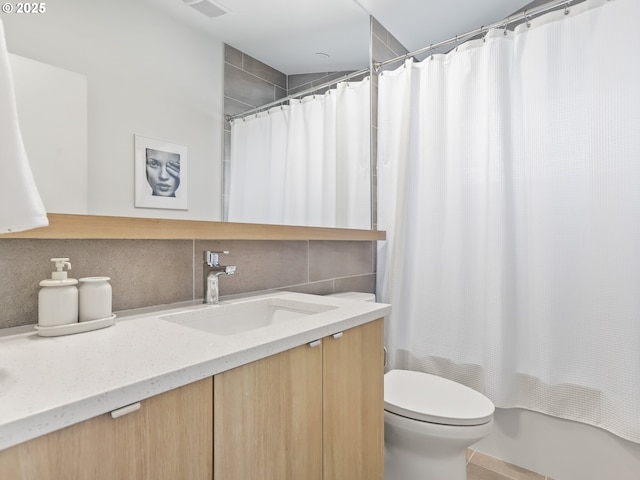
(337, 335)
(315, 343)
(125, 410)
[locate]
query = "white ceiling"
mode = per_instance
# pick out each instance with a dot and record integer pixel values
(289, 34)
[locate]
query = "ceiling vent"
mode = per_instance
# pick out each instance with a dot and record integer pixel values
(208, 7)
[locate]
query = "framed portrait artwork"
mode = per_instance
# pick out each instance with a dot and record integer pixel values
(160, 174)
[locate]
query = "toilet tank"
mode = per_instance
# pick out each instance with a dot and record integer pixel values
(360, 296)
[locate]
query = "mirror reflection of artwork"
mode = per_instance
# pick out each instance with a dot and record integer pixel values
(161, 174)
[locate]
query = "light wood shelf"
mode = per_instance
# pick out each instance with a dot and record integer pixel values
(64, 226)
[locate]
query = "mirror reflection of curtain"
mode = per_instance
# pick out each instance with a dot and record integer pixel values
(307, 163)
(509, 188)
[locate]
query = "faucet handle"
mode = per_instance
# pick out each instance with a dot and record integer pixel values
(212, 259)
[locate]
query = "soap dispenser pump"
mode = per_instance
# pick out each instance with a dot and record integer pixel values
(58, 297)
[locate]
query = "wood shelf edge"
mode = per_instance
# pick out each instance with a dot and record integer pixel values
(67, 226)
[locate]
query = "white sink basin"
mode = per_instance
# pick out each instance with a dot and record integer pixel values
(235, 318)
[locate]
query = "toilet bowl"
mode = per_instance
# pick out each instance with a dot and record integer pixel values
(429, 422)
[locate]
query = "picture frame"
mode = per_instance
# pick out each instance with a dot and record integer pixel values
(160, 174)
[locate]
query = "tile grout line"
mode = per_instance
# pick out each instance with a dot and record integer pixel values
(193, 269)
(308, 261)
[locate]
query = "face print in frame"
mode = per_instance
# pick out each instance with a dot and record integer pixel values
(161, 174)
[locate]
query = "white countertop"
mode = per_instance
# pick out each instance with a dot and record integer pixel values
(47, 383)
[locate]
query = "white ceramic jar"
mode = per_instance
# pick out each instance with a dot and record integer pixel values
(94, 298)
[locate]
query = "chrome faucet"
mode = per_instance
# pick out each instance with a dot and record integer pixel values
(211, 270)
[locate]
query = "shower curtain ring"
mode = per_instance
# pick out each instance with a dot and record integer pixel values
(456, 43)
(566, 8)
(504, 32)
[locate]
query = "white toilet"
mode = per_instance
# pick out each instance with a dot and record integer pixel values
(429, 422)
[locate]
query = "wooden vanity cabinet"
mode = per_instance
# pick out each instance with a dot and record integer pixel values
(267, 418)
(314, 412)
(353, 393)
(168, 438)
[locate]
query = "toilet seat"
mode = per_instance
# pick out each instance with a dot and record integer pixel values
(429, 398)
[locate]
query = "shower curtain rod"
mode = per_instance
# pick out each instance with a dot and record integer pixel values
(257, 110)
(526, 14)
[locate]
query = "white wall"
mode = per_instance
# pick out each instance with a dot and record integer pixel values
(560, 449)
(147, 74)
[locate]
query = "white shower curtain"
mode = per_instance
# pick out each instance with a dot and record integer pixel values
(509, 187)
(307, 163)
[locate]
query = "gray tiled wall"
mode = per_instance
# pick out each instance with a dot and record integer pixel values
(384, 46)
(301, 82)
(153, 272)
(249, 83)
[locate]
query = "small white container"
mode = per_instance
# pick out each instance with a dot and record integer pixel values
(95, 298)
(58, 297)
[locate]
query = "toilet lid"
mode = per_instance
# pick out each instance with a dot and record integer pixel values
(434, 399)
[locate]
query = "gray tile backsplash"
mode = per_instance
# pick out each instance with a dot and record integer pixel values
(356, 283)
(154, 272)
(260, 265)
(339, 259)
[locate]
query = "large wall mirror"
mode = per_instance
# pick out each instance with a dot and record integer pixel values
(52, 110)
(152, 69)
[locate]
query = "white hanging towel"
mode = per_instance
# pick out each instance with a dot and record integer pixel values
(21, 207)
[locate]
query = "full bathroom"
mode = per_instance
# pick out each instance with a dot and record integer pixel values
(514, 279)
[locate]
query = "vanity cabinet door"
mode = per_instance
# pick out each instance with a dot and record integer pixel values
(268, 418)
(354, 403)
(168, 438)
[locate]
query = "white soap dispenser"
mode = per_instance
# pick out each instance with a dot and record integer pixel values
(58, 297)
